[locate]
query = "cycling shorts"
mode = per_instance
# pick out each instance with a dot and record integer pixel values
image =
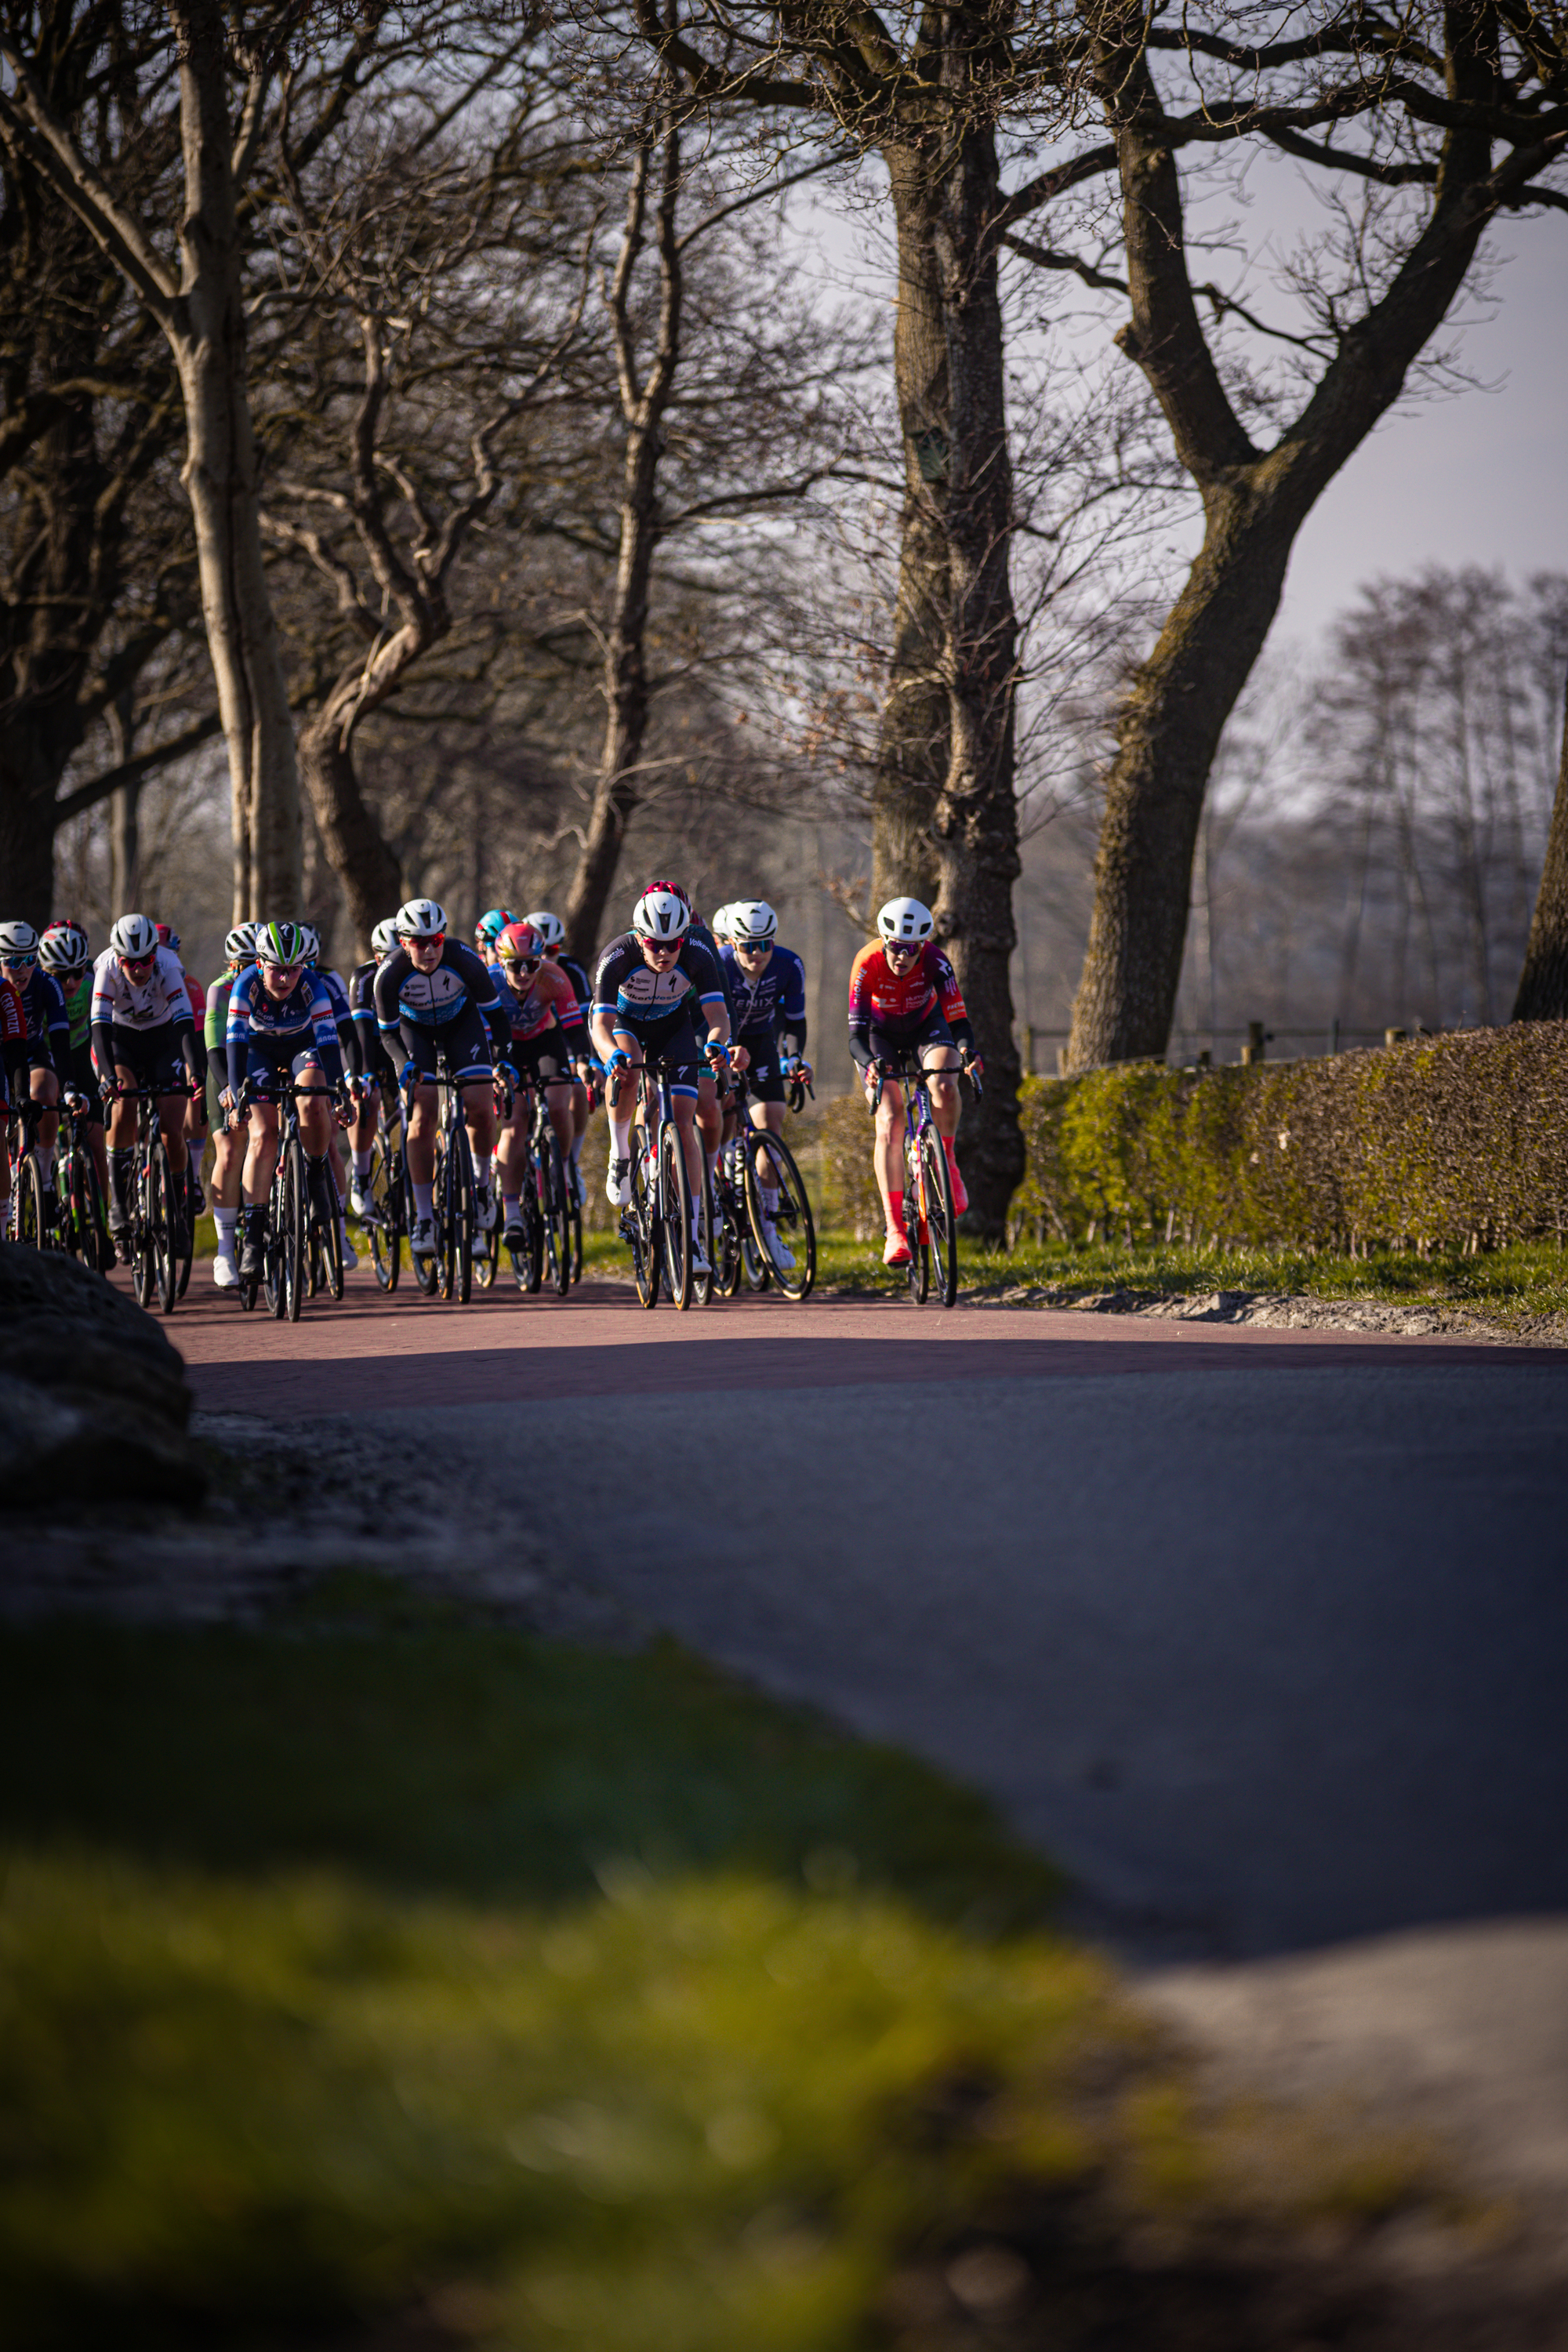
(466, 1039)
(267, 1058)
(672, 1041)
(153, 1056)
(80, 1074)
(538, 1057)
(907, 1039)
(765, 1074)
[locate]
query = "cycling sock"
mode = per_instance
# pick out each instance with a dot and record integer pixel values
(223, 1219)
(424, 1200)
(576, 1151)
(896, 1212)
(770, 1203)
(621, 1137)
(362, 1165)
(122, 1166)
(44, 1161)
(512, 1204)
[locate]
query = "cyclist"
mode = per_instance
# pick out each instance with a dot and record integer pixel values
(767, 989)
(332, 982)
(229, 1131)
(142, 1030)
(196, 1108)
(12, 1044)
(648, 985)
(553, 931)
(280, 1022)
(489, 928)
(904, 997)
(709, 1108)
(66, 954)
(547, 1033)
(46, 1052)
(373, 1073)
(430, 988)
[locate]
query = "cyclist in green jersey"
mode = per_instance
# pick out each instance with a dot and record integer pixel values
(228, 1139)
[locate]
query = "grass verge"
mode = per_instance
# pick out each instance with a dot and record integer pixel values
(370, 1966)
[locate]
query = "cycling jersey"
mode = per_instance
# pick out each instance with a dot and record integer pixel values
(267, 1031)
(366, 1057)
(898, 1003)
(12, 1033)
(408, 999)
(46, 1021)
(121, 1003)
(578, 978)
(548, 1001)
(629, 994)
(216, 1021)
(76, 987)
(776, 1000)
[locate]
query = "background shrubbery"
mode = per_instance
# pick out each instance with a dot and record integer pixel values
(1459, 1141)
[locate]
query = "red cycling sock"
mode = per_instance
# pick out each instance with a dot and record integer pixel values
(895, 1212)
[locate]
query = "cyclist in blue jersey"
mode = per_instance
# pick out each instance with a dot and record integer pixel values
(372, 1074)
(434, 989)
(553, 931)
(46, 1052)
(767, 989)
(649, 987)
(280, 1022)
(333, 983)
(489, 928)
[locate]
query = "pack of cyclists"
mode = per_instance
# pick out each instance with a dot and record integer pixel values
(511, 1018)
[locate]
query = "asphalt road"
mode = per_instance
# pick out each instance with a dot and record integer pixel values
(1263, 1635)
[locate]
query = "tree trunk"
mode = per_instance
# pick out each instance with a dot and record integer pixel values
(366, 865)
(617, 789)
(976, 819)
(125, 848)
(1543, 983)
(221, 479)
(912, 747)
(1171, 722)
(30, 777)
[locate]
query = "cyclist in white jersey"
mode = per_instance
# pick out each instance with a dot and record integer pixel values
(142, 1026)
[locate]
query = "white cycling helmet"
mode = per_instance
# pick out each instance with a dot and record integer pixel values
(133, 937)
(18, 939)
(420, 918)
(752, 922)
(384, 939)
(64, 948)
(905, 921)
(719, 923)
(661, 917)
(240, 945)
(312, 942)
(551, 928)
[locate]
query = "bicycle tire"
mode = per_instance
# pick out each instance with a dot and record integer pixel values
(273, 1247)
(794, 1211)
(727, 1265)
(462, 1215)
(161, 1202)
(333, 1244)
(532, 1225)
(555, 1220)
(27, 1194)
(385, 1222)
(919, 1271)
(295, 1222)
(89, 1207)
(644, 1235)
(187, 1195)
(576, 1210)
(941, 1222)
(675, 1217)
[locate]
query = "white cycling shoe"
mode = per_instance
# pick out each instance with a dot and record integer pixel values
(422, 1240)
(358, 1200)
(619, 1183)
(351, 1255)
(778, 1249)
(225, 1273)
(699, 1256)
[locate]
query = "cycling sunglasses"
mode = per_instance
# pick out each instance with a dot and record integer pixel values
(902, 947)
(140, 963)
(425, 939)
(528, 965)
(20, 962)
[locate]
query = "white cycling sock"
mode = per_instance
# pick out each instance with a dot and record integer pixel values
(424, 1200)
(512, 1204)
(44, 1161)
(621, 1137)
(225, 1219)
(770, 1203)
(712, 1159)
(362, 1165)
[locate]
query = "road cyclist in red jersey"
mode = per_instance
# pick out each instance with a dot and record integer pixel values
(549, 1038)
(553, 931)
(904, 998)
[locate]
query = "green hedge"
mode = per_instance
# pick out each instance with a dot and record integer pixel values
(1459, 1141)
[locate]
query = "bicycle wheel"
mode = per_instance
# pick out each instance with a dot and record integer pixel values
(162, 1196)
(332, 1243)
(461, 1219)
(384, 1222)
(675, 1216)
(294, 1235)
(942, 1224)
(272, 1251)
(727, 1264)
(27, 1194)
(769, 1158)
(640, 1226)
(575, 1211)
(702, 1284)
(532, 1279)
(915, 1232)
(186, 1196)
(555, 1216)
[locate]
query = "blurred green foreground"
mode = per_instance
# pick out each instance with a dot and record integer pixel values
(373, 1966)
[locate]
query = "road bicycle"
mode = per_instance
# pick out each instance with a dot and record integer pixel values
(658, 1225)
(545, 1254)
(389, 1205)
(450, 1270)
(30, 1224)
(931, 1223)
(302, 1252)
(754, 1163)
(83, 1217)
(158, 1245)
